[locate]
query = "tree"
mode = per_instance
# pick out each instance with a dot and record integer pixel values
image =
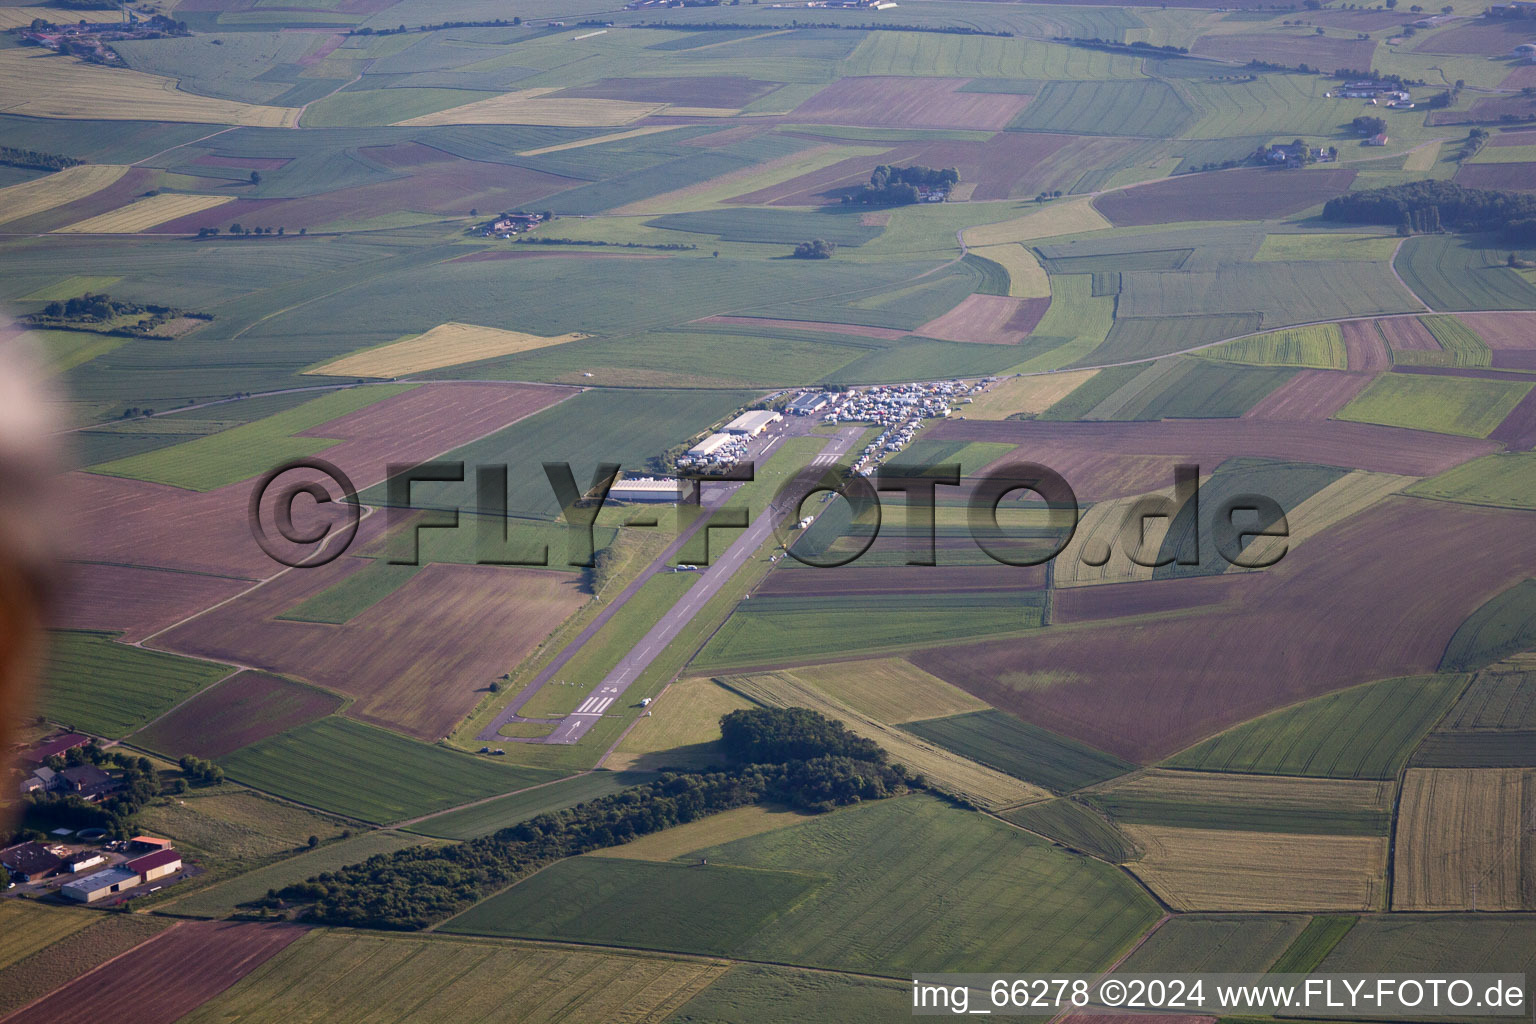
(255, 177)
(1369, 126)
(236, 229)
(314, 841)
(817, 249)
(1391, 4)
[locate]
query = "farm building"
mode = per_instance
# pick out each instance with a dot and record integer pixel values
(644, 488)
(100, 885)
(28, 862)
(155, 865)
(1376, 140)
(57, 745)
(40, 781)
(1526, 52)
(810, 403)
(88, 782)
(148, 843)
(752, 423)
(84, 859)
(710, 445)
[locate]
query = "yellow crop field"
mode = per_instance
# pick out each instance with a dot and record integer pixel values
(1068, 218)
(444, 345)
(1347, 496)
(534, 107)
(1098, 553)
(675, 111)
(889, 690)
(1462, 842)
(682, 728)
(1027, 279)
(19, 17)
(432, 977)
(1033, 394)
(981, 785)
(633, 133)
(146, 213)
(40, 194)
(1209, 869)
(715, 191)
(719, 828)
(37, 83)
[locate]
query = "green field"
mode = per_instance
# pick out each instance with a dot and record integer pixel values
(1507, 480)
(881, 888)
(1183, 388)
(1152, 109)
(1087, 396)
(249, 450)
(1329, 246)
(1503, 626)
(1459, 341)
(1320, 348)
(1314, 944)
(1366, 732)
(111, 689)
(784, 995)
(1496, 701)
(1453, 272)
(785, 227)
(354, 595)
(623, 426)
(483, 819)
(1142, 337)
(1074, 826)
(361, 772)
(1220, 943)
(1437, 942)
(776, 630)
(1446, 405)
(1022, 750)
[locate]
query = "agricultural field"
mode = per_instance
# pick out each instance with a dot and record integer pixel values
(1223, 943)
(1311, 749)
(246, 708)
(1251, 803)
(1462, 840)
(170, 975)
(1208, 869)
(361, 772)
(1362, 733)
(445, 345)
(460, 978)
(28, 198)
(504, 812)
(1499, 480)
(683, 728)
(1447, 405)
(100, 686)
(862, 868)
(1020, 749)
(951, 771)
(1318, 348)
(146, 213)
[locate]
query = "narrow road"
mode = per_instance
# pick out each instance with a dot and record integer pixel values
(633, 664)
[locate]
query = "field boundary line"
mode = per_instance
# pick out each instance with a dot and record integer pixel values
(1392, 263)
(93, 970)
(485, 800)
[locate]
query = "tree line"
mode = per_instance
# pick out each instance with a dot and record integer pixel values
(821, 766)
(36, 160)
(1439, 205)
